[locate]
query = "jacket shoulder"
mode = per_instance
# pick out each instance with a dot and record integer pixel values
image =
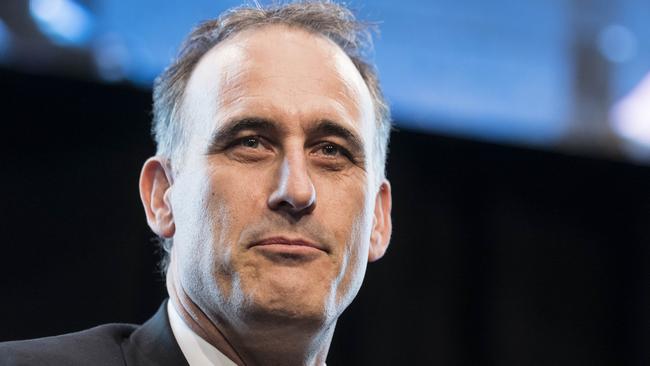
(96, 346)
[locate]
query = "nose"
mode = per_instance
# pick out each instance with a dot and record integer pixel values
(294, 191)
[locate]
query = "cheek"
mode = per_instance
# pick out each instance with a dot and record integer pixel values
(234, 200)
(202, 211)
(214, 205)
(192, 240)
(349, 216)
(240, 190)
(354, 260)
(343, 204)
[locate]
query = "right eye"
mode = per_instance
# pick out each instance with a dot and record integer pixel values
(251, 142)
(251, 148)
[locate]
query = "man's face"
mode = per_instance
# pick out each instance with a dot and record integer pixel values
(274, 199)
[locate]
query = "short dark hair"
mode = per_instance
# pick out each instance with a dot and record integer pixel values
(325, 18)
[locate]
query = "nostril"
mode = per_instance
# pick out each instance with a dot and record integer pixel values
(293, 201)
(295, 210)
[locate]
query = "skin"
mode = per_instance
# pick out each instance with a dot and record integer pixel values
(276, 209)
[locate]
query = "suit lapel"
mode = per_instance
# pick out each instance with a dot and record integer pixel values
(153, 343)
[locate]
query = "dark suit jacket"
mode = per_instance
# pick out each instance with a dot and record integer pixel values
(152, 343)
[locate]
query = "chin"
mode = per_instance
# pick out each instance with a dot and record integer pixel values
(294, 302)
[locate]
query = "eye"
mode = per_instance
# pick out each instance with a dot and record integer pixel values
(330, 150)
(250, 149)
(250, 142)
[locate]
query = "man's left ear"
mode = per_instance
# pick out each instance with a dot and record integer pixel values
(382, 224)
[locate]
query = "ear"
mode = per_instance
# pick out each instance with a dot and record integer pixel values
(383, 224)
(155, 184)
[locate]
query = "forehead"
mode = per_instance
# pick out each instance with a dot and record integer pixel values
(284, 73)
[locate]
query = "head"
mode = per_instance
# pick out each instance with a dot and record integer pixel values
(269, 175)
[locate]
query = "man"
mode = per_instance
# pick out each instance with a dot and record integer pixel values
(269, 179)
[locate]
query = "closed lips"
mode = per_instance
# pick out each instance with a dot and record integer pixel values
(286, 241)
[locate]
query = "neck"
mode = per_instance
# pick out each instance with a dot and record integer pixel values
(259, 342)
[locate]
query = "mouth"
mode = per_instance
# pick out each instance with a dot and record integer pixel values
(291, 247)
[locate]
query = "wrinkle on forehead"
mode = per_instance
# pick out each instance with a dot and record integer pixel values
(294, 63)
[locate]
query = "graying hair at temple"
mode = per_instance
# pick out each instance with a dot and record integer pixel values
(325, 18)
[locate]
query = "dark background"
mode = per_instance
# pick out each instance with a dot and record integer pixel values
(500, 255)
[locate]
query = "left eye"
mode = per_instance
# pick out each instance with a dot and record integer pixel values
(251, 142)
(330, 150)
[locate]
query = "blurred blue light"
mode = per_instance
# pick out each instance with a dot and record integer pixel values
(111, 57)
(617, 43)
(5, 41)
(497, 70)
(63, 21)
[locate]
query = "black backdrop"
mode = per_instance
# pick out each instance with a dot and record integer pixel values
(500, 255)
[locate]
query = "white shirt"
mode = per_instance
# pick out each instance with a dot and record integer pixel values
(196, 350)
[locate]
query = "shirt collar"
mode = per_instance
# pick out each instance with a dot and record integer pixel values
(196, 350)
